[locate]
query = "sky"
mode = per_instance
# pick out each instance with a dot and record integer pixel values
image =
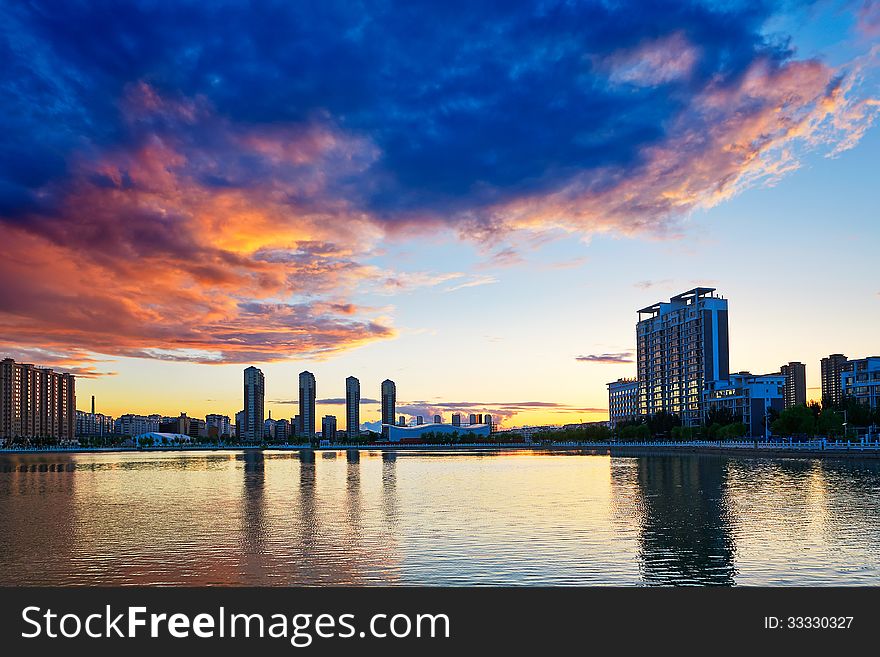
(472, 199)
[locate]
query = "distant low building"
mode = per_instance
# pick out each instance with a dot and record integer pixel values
(131, 424)
(180, 424)
(489, 422)
(198, 429)
(218, 425)
(93, 424)
(529, 431)
(159, 438)
(586, 425)
(282, 430)
(623, 401)
(398, 434)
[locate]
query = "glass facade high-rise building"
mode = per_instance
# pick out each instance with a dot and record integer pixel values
(389, 401)
(254, 404)
(681, 346)
(352, 408)
(307, 391)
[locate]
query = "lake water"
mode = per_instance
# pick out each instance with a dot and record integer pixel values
(406, 518)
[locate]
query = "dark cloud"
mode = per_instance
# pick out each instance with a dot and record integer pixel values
(219, 172)
(502, 102)
(619, 357)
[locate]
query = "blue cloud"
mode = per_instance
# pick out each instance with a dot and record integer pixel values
(469, 104)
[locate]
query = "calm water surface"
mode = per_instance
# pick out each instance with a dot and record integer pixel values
(235, 518)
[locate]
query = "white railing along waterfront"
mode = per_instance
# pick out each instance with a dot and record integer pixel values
(821, 444)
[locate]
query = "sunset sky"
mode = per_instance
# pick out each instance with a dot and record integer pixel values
(471, 199)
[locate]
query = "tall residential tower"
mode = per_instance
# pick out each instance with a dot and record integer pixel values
(795, 393)
(389, 401)
(254, 404)
(307, 404)
(681, 346)
(352, 408)
(36, 403)
(833, 367)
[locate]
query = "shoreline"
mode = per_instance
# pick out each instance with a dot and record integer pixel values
(746, 450)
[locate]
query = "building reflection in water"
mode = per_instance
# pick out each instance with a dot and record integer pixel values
(309, 525)
(685, 535)
(353, 503)
(390, 511)
(255, 532)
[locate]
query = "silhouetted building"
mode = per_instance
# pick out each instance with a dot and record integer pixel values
(352, 408)
(307, 391)
(795, 384)
(473, 418)
(833, 367)
(282, 430)
(401, 421)
(328, 427)
(219, 426)
(419, 420)
(254, 405)
(269, 428)
(487, 419)
(182, 424)
(456, 419)
(681, 346)
(389, 401)
(198, 429)
(438, 419)
(239, 424)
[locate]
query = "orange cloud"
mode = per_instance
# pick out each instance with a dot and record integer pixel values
(730, 137)
(145, 252)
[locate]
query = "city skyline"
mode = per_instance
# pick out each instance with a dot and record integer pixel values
(477, 225)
